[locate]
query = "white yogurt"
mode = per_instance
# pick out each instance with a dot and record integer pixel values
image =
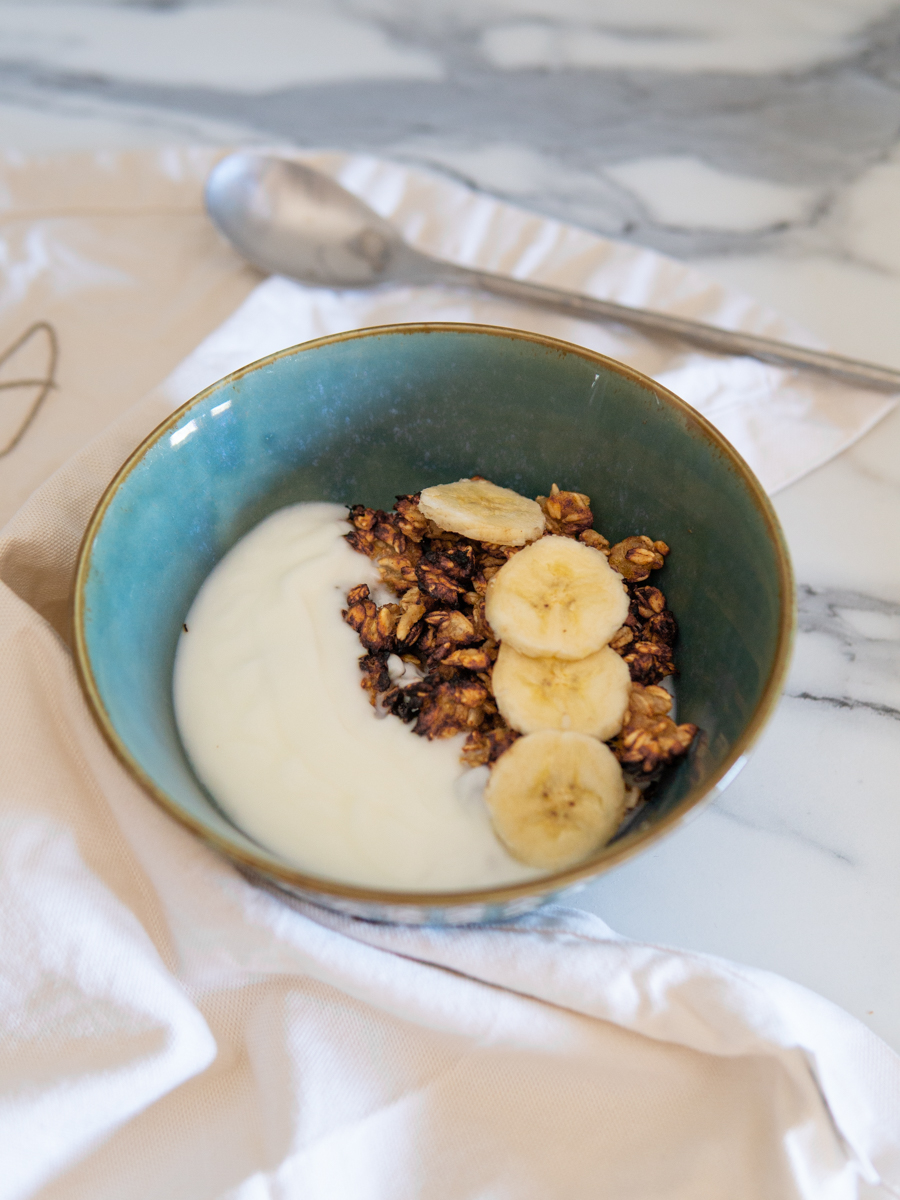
(271, 712)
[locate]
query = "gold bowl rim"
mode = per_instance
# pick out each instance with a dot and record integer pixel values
(608, 856)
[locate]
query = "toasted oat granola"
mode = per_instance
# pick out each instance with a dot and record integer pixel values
(649, 738)
(438, 625)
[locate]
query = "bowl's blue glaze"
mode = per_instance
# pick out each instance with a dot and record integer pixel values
(363, 416)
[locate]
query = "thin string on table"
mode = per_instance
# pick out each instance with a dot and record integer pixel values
(44, 385)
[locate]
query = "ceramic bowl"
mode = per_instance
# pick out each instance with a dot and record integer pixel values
(366, 415)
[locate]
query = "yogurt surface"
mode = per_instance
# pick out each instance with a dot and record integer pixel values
(271, 712)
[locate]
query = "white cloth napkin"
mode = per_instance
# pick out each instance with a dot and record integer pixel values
(169, 1030)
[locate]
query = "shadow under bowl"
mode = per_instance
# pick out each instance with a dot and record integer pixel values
(367, 415)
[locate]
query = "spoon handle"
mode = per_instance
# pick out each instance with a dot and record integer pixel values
(707, 337)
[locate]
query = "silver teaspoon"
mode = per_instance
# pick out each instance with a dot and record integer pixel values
(289, 219)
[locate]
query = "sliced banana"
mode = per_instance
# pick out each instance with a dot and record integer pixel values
(554, 798)
(556, 598)
(587, 695)
(481, 510)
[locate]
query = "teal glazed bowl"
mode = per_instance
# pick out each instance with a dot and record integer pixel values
(363, 416)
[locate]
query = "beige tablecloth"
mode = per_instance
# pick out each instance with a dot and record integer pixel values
(115, 252)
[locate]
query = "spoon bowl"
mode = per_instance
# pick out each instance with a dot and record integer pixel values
(288, 219)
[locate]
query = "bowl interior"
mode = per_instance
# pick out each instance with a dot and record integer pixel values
(364, 416)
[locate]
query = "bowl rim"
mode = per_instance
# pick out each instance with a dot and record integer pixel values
(636, 840)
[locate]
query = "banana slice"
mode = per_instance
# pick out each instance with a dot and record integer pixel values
(589, 695)
(554, 798)
(483, 511)
(556, 598)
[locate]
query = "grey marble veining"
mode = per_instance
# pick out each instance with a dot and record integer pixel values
(851, 640)
(820, 126)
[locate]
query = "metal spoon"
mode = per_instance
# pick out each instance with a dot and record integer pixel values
(289, 219)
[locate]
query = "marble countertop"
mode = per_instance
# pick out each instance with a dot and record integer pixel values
(760, 142)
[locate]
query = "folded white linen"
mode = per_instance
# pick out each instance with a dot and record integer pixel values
(167, 1029)
(170, 1030)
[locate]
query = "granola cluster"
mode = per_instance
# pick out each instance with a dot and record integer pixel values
(647, 639)
(650, 738)
(437, 626)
